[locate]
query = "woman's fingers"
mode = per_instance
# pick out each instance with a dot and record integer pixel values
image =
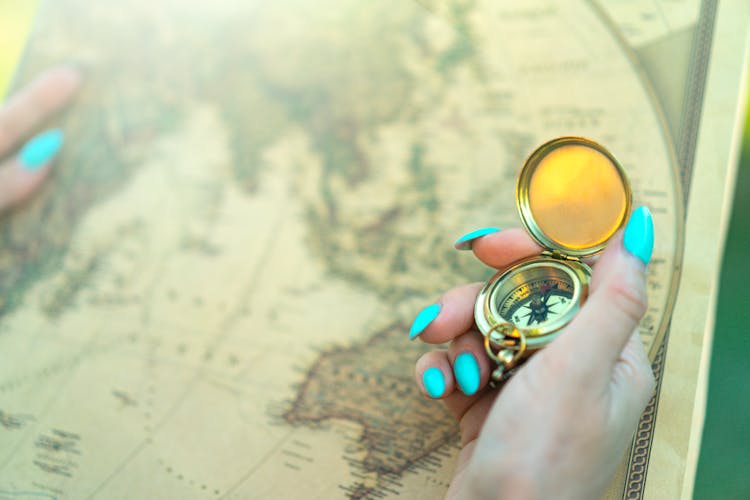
(453, 314)
(463, 368)
(471, 367)
(28, 109)
(499, 248)
(597, 336)
(22, 175)
(434, 374)
(459, 375)
(449, 317)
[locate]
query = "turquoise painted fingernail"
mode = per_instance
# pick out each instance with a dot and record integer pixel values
(434, 382)
(639, 234)
(424, 318)
(40, 150)
(466, 241)
(466, 369)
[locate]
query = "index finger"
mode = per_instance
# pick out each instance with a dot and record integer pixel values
(501, 248)
(449, 317)
(28, 109)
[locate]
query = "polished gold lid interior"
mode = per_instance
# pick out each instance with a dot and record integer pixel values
(573, 196)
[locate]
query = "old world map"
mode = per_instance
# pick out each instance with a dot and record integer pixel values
(211, 297)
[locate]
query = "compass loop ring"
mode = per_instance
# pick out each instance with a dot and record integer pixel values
(505, 344)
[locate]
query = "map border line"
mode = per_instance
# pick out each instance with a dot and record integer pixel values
(640, 454)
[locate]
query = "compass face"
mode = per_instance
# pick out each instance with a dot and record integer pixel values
(538, 295)
(536, 301)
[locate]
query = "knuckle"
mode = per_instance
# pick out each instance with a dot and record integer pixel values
(629, 299)
(644, 381)
(641, 376)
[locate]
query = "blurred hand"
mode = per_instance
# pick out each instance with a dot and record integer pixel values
(24, 168)
(562, 424)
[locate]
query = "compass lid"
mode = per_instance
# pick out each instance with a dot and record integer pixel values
(572, 196)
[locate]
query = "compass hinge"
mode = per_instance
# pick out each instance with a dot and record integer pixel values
(556, 254)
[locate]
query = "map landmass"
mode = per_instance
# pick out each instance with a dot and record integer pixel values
(399, 425)
(232, 250)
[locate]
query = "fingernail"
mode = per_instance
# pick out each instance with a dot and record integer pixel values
(40, 150)
(466, 241)
(424, 318)
(466, 369)
(639, 234)
(434, 382)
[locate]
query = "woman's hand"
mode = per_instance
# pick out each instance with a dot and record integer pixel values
(561, 425)
(23, 170)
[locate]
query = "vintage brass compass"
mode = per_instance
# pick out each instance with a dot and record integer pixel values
(572, 196)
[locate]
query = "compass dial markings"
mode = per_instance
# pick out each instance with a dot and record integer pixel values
(536, 301)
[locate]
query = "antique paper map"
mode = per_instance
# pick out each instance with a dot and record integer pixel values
(211, 298)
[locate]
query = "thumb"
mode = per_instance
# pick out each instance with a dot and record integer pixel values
(617, 302)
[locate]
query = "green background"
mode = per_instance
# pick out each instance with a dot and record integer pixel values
(724, 464)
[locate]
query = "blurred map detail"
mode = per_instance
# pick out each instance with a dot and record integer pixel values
(212, 297)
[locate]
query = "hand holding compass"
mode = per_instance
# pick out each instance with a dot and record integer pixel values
(561, 424)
